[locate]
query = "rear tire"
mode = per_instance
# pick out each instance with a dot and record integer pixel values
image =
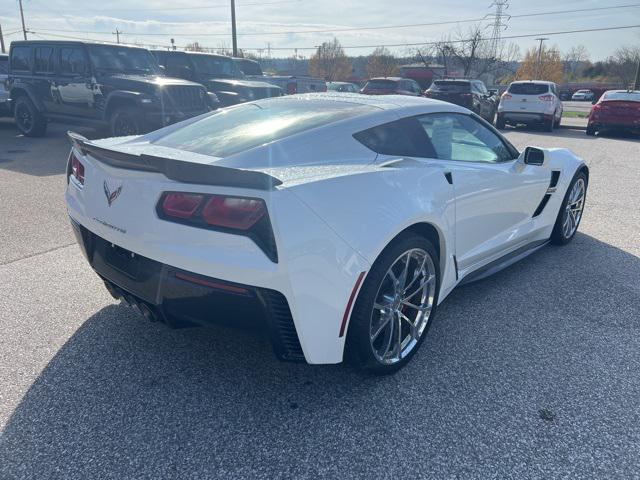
(385, 332)
(571, 210)
(500, 123)
(126, 121)
(548, 125)
(28, 119)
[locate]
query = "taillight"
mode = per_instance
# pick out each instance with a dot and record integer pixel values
(181, 205)
(77, 169)
(506, 96)
(292, 88)
(546, 98)
(233, 212)
(238, 215)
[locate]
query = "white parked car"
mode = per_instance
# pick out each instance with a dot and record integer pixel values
(582, 96)
(530, 102)
(346, 219)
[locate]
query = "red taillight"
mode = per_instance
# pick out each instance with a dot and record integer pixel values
(236, 213)
(77, 169)
(546, 98)
(292, 88)
(233, 212)
(181, 205)
(506, 96)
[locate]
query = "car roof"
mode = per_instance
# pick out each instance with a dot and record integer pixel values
(545, 82)
(18, 43)
(395, 79)
(383, 102)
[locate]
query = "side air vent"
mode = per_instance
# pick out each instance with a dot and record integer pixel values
(283, 332)
(555, 176)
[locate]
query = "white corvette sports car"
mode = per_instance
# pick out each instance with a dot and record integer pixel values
(345, 219)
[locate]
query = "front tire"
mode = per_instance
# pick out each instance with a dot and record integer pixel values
(126, 121)
(591, 131)
(28, 119)
(571, 210)
(395, 306)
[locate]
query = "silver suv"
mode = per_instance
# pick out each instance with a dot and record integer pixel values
(530, 102)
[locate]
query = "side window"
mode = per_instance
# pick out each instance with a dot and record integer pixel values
(482, 88)
(43, 62)
(461, 137)
(176, 63)
(21, 59)
(73, 61)
(404, 137)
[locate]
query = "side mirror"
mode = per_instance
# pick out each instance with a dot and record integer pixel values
(534, 156)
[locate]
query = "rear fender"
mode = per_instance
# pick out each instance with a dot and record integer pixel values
(19, 89)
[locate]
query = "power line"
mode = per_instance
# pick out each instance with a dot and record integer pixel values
(417, 44)
(355, 29)
(199, 7)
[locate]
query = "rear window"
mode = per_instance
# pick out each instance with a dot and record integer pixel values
(622, 96)
(448, 86)
(380, 85)
(529, 88)
(250, 125)
(249, 68)
(21, 59)
(4, 64)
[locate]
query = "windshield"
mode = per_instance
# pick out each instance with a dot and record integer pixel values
(631, 96)
(250, 125)
(450, 86)
(528, 88)
(213, 65)
(248, 67)
(123, 59)
(380, 85)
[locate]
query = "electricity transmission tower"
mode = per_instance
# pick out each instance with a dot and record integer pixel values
(500, 19)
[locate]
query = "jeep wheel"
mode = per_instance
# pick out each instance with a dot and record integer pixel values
(125, 121)
(28, 119)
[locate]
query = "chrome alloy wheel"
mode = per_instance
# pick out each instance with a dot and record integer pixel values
(402, 306)
(574, 208)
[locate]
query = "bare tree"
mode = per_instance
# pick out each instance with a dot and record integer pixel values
(381, 63)
(330, 62)
(624, 63)
(575, 60)
(193, 47)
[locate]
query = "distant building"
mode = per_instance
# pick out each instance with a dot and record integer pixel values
(423, 73)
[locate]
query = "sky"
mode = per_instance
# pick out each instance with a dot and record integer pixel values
(155, 22)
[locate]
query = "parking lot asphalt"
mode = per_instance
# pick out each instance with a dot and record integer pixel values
(532, 373)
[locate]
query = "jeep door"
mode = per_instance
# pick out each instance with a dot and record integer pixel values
(74, 85)
(44, 75)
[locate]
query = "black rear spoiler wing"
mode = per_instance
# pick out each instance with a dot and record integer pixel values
(177, 170)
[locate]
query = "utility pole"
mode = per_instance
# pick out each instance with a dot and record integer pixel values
(24, 29)
(117, 34)
(233, 28)
(1, 41)
(539, 69)
(636, 84)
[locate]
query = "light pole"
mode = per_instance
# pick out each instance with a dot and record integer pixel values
(539, 68)
(233, 28)
(24, 29)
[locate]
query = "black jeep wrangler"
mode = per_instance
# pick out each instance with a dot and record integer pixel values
(97, 84)
(218, 73)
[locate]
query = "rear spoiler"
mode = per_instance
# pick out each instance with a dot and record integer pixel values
(178, 170)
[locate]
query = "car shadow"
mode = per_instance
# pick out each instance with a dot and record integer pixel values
(127, 399)
(41, 157)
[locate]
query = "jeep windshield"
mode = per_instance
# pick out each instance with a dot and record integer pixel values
(213, 65)
(110, 58)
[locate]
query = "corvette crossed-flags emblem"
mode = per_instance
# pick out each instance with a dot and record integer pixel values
(111, 195)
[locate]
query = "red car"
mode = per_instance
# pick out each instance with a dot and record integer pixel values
(616, 110)
(392, 86)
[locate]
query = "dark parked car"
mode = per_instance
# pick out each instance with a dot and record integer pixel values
(616, 110)
(472, 94)
(4, 94)
(392, 86)
(248, 67)
(218, 73)
(106, 85)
